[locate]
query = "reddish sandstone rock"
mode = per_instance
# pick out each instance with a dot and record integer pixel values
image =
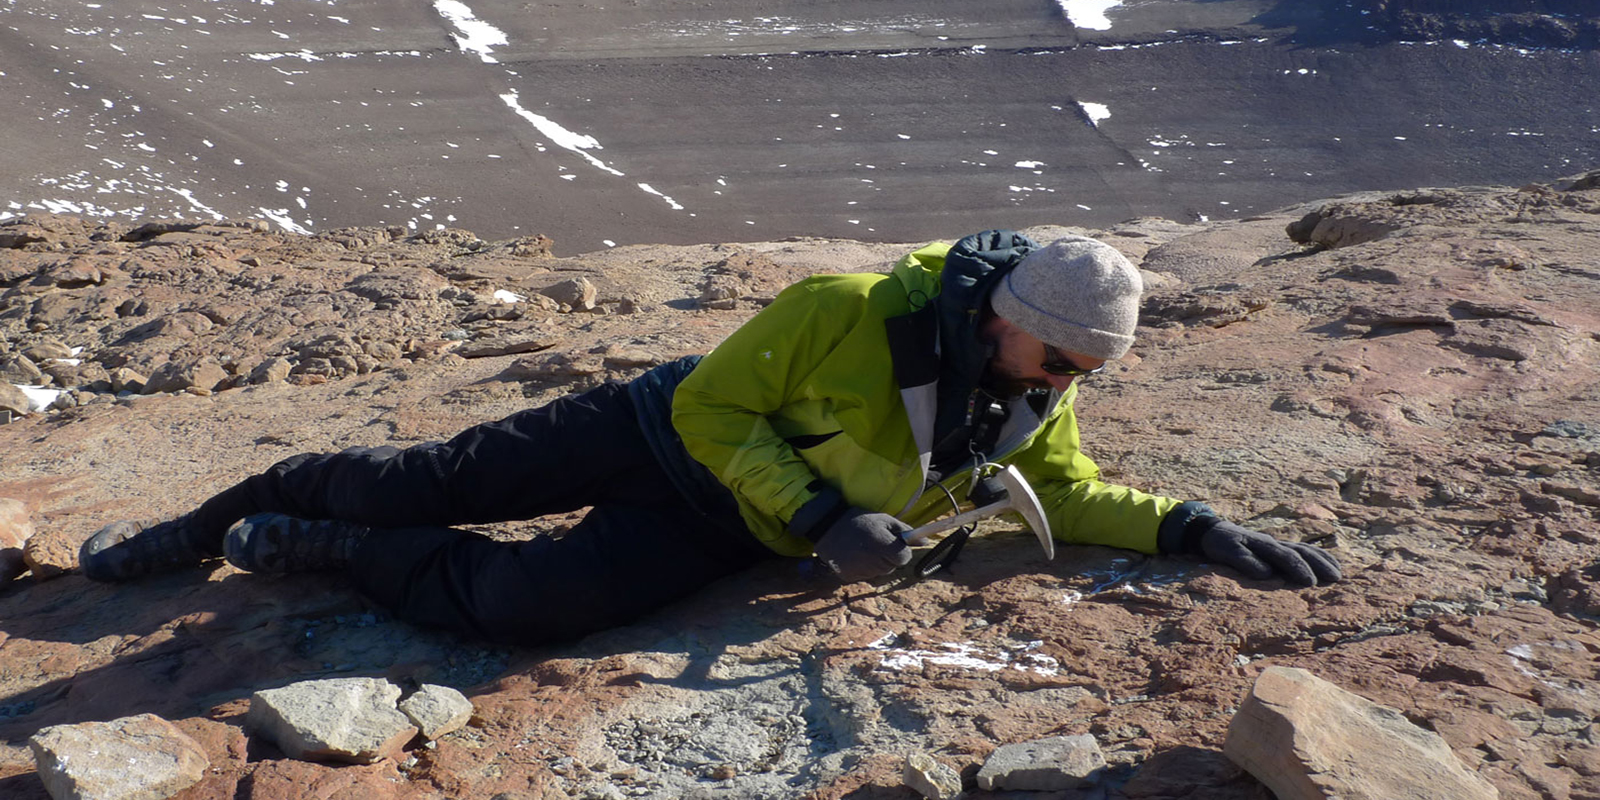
(1307, 739)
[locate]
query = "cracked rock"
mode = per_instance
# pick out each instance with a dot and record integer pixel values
(436, 710)
(339, 719)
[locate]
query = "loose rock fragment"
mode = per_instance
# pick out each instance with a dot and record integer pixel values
(133, 758)
(1044, 765)
(930, 778)
(437, 710)
(340, 719)
(1307, 739)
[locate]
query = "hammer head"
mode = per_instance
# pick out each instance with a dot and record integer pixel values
(1026, 504)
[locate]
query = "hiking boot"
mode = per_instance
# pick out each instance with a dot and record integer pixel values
(282, 544)
(130, 549)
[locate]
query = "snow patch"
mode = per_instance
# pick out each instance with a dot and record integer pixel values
(473, 35)
(284, 221)
(966, 655)
(1090, 14)
(1096, 112)
(39, 398)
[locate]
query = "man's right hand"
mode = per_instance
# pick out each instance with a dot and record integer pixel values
(864, 544)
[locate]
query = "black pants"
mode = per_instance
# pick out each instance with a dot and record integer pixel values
(641, 546)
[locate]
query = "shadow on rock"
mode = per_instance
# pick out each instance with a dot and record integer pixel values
(23, 787)
(181, 645)
(1186, 772)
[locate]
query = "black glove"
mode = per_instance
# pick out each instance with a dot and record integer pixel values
(863, 544)
(1258, 555)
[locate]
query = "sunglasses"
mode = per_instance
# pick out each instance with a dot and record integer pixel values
(1057, 364)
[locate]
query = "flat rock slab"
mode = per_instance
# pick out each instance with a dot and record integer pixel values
(1307, 739)
(134, 758)
(338, 719)
(1044, 765)
(436, 710)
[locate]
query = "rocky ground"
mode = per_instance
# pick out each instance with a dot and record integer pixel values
(1408, 379)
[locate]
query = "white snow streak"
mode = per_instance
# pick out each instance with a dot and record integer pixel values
(473, 35)
(576, 142)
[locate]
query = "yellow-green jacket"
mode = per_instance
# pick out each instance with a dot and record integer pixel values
(810, 394)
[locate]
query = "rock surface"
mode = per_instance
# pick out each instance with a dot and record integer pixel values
(1424, 404)
(337, 719)
(134, 758)
(1044, 765)
(1307, 739)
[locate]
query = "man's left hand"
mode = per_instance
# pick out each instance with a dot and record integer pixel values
(1260, 556)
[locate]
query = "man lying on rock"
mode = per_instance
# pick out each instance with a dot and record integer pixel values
(849, 407)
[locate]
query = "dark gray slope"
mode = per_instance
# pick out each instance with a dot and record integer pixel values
(891, 120)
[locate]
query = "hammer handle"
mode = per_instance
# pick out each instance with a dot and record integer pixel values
(917, 536)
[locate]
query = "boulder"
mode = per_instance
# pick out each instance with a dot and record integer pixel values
(20, 369)
(126, 380)
(272, 370)
(576, 293)
(45, 350)
(134, 758)
(337, 719)
(178, 376)
(88, 375)
(13, 400)
(16, 528)
(930, 778)
(437, 710)
(51, 552)
(1307, 739)
(1044, 765)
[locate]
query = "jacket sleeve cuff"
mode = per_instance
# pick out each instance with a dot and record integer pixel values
(819, 513)
(1182, 527)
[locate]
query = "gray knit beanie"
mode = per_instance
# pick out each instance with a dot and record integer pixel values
(1077, 294)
